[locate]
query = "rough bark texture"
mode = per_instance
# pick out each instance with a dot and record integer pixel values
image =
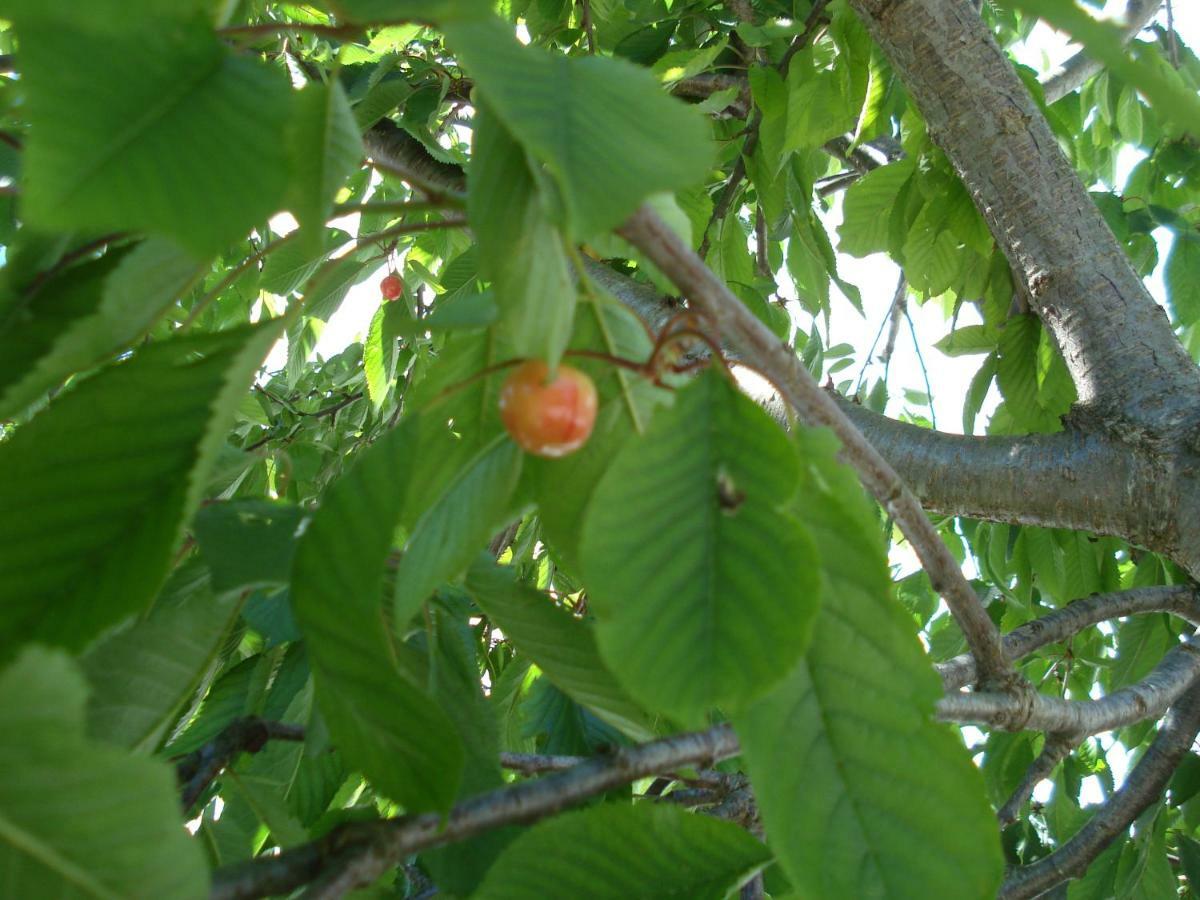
(1116, 341)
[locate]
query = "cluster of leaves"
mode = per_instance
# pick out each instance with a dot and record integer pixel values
(353, 544)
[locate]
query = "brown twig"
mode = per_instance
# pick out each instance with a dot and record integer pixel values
(359, 853)
(196, 771)
(1057, 748)
(1144, 785)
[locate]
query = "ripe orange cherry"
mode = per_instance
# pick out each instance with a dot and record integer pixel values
(391, 286)
(548, 418)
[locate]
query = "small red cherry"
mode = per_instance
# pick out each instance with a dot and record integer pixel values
(548, 418)
(391, 286)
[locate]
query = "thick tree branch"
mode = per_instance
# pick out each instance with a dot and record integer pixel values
(399, 151)
(1117, 342)
(1080, 67)
(1182, 600)
(196, 771)
(1144, 785)
(709, 296)
(1076, 479)
(357, 854)
(1148, 699)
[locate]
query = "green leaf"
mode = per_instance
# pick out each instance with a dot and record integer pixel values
(247, 543)
(1016, 373)
(363, 11)
(932, 256)
(562, 646)
(854, 780)
(1129, 116)
(381, 100)
(460, 312)
(520, 250)
(143, 677)
(703, 587)
(384, 725)
(98, 486)
(80, 318)
(106, 110)
(818, 109)
(326, 150)
(390, 321)
(622, 852)
(563, 487)
(1135, 64)
(454, 681)
(966, 340)
(981, 383)
(77, 818)
(603, 127)
(1182, 278)
(771, 97)
(469, 510)
(867, 209)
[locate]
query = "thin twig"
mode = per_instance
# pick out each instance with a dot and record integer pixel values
(588, 28)
(359, 853)
(1057, 748)
(196, 771)
(1182, 600)
(912, 330)
(1144, 786)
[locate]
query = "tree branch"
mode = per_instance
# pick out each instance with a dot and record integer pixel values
(1148, 699)
(1143, 786)
(1080, 67)
(358, 853)
(779, 363)
(1078, 479)
(1182, 600)
(1057, 748)
(1116, 341)
(196, 771)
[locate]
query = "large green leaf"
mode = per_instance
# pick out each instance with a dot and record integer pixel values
(867, 209)
(81, 818)
(704, 588)
(143, 677)
(383, 724)
(520, 250)
(108, 109)
(472, 507)
(326, 150)
(78, 319)
(854, 780)
(623, 852)
(562, 646)
(247, 543)
(1182, 278)
(603, 127)
(97, 487)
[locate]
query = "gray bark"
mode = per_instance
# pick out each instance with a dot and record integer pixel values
(1116, 341)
